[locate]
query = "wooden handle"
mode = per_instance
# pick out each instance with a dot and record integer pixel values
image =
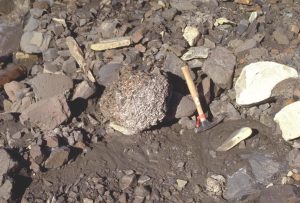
(192, 88)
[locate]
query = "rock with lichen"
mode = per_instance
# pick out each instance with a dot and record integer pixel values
(137, 100)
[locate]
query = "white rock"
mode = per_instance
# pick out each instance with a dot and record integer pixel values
(181, 183)
(191, 35)
(258, 79)
(288, 119)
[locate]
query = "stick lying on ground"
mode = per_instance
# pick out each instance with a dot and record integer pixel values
(202, 123)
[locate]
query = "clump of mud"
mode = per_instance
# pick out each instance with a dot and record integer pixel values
(137, 100)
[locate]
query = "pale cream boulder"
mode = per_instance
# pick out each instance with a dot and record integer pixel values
(288, 120)
(257, 80)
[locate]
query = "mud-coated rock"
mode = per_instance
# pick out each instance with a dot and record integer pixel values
(47, 113)
(220, 67)
(137, 100)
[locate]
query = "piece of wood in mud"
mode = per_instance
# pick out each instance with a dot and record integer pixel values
(111, 43)
(235, 138)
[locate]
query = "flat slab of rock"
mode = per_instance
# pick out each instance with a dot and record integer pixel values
(257, 80)
(288, 120)
(263, 166)
(10, 36)
(48, 85)
(47, 113)
(173, 64)
(238, 185)
(35, 42)
(220, 67)
(195, 52)
(137, 100)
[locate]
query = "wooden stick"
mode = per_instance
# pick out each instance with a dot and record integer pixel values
(193, 90)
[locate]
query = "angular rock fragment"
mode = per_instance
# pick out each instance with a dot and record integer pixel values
(35, 42)
(47, 113)
(245, 46)
(12, 88)
(263, 166)
(181, 183)
(84, 90)
(127, 181)
(48, 85)
(57, 158)
(183, 105)
(220, 67)
(195, 52)
(288, 120)
(191, 35)
(215, 185)
(238, 185)
(10, 36)
(108, 73)
(173, 64)
(137, 100)
(249, 88)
